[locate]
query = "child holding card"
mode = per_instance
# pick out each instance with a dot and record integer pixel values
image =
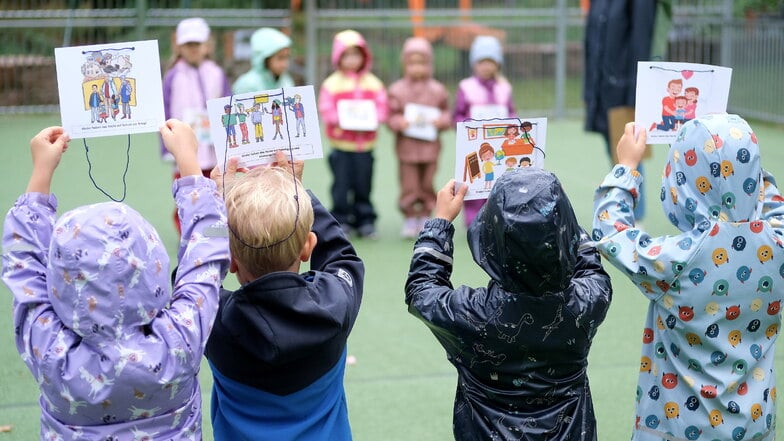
(713, 313)
(486, 94)
(193, 79)
(352, 103)
(115, 348)
(520, 345)
(417, 101)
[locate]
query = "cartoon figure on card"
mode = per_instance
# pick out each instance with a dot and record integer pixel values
(512, 145)
(126, 97)
(667, 123)
(295, 105)
(525, 161)
(486, 153)
(692, 93)
(241, 117)
(229, 120)
(255, 117)
(680, 111)
(95, 104)
(526, 127)
(511, 163)
(277, 118)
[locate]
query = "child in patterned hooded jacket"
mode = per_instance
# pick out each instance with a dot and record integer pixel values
(707, 364)
(116, 351)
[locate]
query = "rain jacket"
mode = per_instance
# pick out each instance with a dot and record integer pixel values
(278, 349)
(264, 43)
(707, 364)
(521, 344)
(350, 85)
(116, 351)
(426, 91)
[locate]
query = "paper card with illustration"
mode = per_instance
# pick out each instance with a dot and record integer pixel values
(110, 89)
(669, 94)
(359, 115)
(253, 126)
(421, 121)
(485, 149)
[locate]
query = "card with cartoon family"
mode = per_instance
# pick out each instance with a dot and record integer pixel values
(110, 89)
(487, 148)
(669, 94)
(253, 126)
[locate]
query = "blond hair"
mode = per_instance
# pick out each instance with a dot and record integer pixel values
(262, 212)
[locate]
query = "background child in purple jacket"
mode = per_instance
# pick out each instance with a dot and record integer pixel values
(115, 349)
(486, 87)
(192, 79)
(417, 158)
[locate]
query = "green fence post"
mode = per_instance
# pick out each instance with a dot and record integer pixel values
(141, 19)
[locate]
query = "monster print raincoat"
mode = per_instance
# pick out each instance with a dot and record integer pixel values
(520, 345)
(114, 348)
(714, 289)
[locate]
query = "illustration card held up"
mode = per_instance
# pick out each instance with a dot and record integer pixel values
(253, 126)
(488, 148)
(421, 121)
(110, 89)
(670, 94)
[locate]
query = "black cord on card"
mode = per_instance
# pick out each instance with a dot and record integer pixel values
(125, 172)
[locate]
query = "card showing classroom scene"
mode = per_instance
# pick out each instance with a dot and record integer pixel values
(488, 148)
(253, 126)
(110, 89)
(669, 94)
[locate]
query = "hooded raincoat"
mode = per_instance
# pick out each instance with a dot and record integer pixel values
(714, 289)
(116, 351)
(264, 43)
(520, 345)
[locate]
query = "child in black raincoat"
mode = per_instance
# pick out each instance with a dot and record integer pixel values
(521, 344)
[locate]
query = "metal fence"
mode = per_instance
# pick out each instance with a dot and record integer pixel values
(542, 42)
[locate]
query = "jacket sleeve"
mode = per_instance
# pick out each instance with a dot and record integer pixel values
(773, 203)
(335, 255)
(26, 236)
(396, 108)
(429, 292)
(629, 248)
(593, 289)
(382, 105)
(327, 106)
(444, 120)
(462, 111)
(203, 260)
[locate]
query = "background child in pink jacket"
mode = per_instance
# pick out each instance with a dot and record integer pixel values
(351, 159)
(417, 158)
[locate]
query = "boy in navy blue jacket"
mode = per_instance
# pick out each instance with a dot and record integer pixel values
(278, 347)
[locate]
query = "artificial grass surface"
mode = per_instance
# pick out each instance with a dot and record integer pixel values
(401, 387)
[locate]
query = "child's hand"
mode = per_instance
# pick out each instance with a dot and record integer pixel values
(180, 140)
(225, 180)
(449, 202)
(46, 148)
(630, 149)
(282, 161)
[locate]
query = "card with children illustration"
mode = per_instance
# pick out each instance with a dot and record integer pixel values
(253, 126)
(670, 94)
(110, 89)
(487, 148)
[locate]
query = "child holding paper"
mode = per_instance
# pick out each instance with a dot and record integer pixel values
(114, 342)
(417, 152)
(485, 94)
(193, 79)
(349, 88)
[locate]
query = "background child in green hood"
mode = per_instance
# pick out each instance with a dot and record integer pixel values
(269, 64)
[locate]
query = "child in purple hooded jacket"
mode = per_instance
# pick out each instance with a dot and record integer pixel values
(115, 349)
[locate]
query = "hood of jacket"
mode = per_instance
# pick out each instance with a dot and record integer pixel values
(526, 236)
(107, 271)
(418, 45)
(712, 173)
(346, 39)
(265, 43)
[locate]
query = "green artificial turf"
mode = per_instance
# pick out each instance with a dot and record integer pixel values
(401, 387)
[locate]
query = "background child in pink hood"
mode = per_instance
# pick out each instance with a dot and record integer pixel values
(351, 159)
(417, 158)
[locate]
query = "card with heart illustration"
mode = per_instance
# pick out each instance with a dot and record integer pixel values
(669, 94)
